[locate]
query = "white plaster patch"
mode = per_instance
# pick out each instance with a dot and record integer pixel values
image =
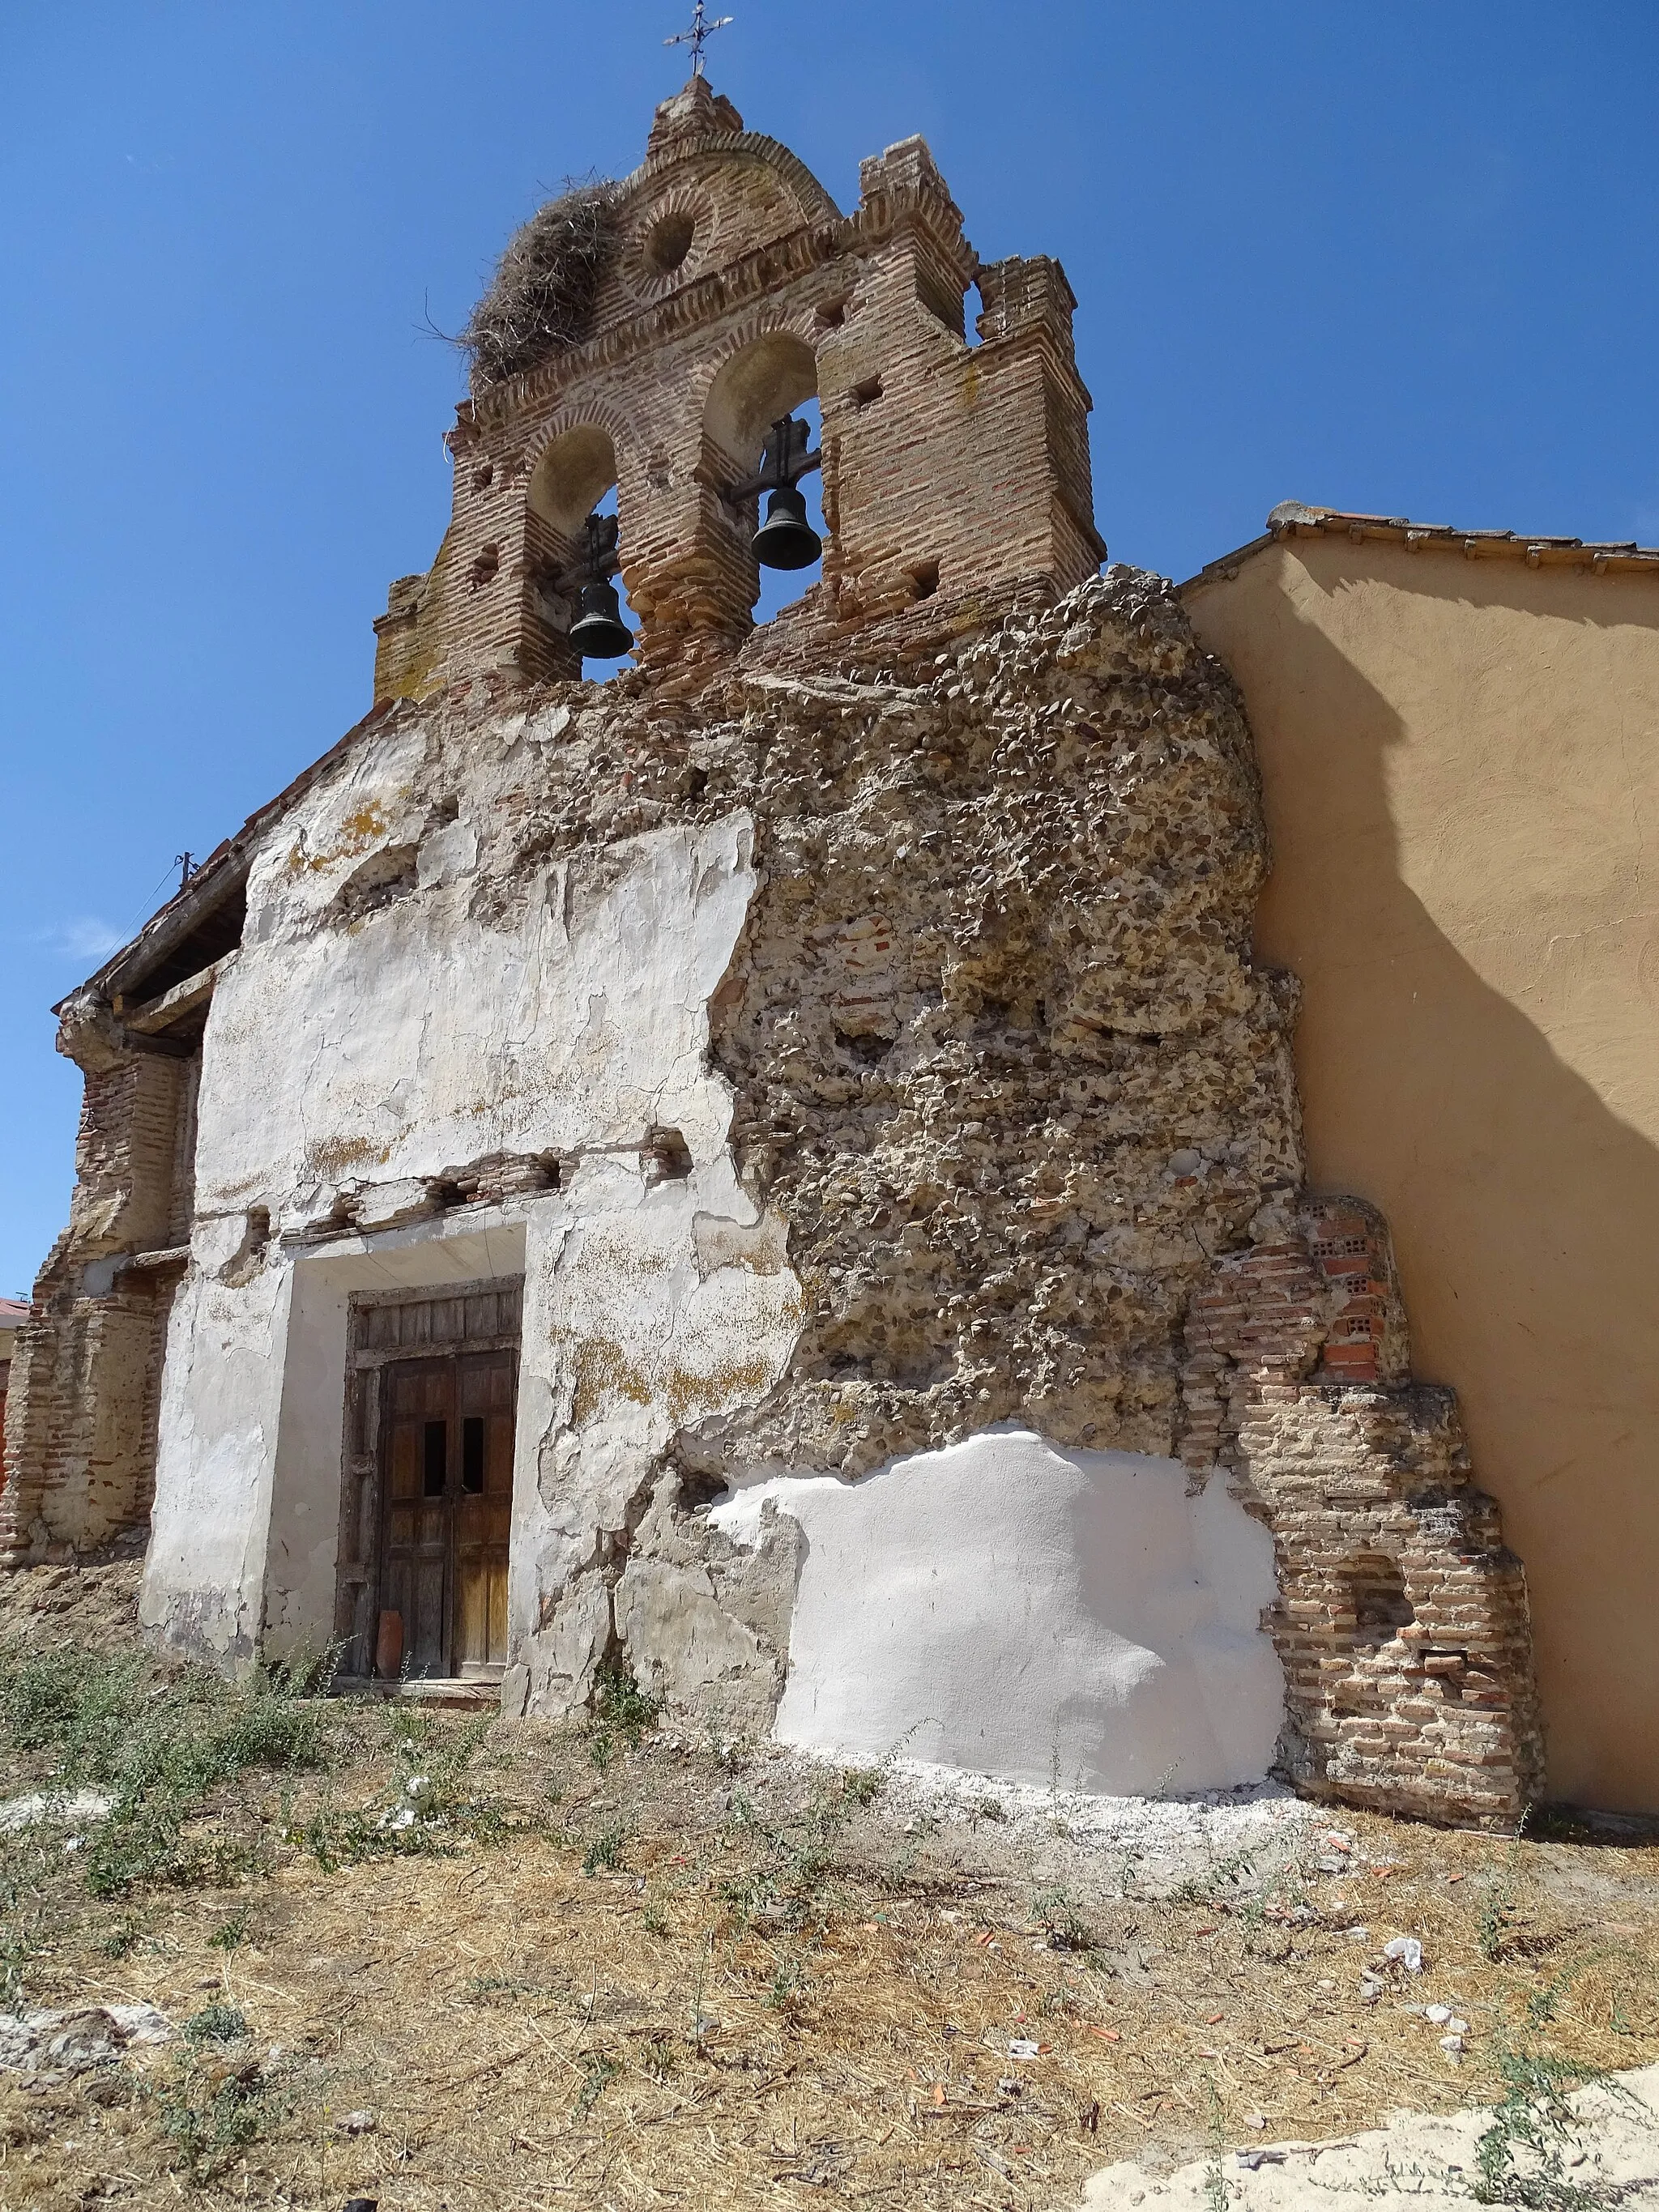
(52, 1805)
(220, 1390)
(1018, 1609)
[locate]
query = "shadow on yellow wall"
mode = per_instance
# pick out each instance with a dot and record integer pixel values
(1460, 764)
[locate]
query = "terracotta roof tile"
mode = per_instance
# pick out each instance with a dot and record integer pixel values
(1291, 519)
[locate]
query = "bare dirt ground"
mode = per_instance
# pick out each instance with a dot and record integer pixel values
(436, 1961)
(1597, 2146)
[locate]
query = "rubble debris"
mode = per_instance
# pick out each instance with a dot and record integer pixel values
(75, 2039)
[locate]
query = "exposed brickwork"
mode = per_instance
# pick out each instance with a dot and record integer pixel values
(946, 465)
(1402, 1622)
(80, 1421)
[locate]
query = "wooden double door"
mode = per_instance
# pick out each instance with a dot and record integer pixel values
(446, 1510)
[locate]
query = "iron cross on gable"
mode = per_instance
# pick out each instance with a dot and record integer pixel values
(698, 36)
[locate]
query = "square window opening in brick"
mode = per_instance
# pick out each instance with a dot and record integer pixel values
(943, 300)
(1375, 1593)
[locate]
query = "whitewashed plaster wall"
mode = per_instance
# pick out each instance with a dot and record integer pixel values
(222, 1388)
(245, 1532)
(348, 1052)
(1022, 1610)
(353, 1055)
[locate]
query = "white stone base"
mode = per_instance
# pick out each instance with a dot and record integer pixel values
(1021, 1610)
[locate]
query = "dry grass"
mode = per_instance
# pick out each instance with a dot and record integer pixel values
(770, 1990)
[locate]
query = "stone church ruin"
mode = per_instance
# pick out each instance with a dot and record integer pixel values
(780, 1172)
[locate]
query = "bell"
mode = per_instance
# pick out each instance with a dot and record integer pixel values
(786, 539)
(598, 632)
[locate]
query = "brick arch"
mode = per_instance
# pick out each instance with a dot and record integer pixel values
(766, 367)
(815, 203)
(706, 153)
(583, 412)
(777, 317)
(551, 524)
(550, 517)
(739, 439)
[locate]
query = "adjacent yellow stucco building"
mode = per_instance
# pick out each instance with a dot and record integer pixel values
(1459, 743)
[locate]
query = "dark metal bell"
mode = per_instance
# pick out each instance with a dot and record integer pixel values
(598, 632)
(786, 539)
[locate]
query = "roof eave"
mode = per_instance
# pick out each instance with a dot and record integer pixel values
(1291, 519)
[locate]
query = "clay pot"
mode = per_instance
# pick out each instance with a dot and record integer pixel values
(388, 1646)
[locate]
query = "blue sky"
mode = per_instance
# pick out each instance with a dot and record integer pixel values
(1398, 258)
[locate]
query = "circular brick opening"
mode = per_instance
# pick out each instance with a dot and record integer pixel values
(668, 241)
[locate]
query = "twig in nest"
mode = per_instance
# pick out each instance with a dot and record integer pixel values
(542, 294)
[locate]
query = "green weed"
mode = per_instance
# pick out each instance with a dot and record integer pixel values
(700, 2022)
(1215, 2173)
(216, 2023)
(605, 1850)
(1498, 1911)
(427, 1814)
(1056, 1912)
(230, 1934)
(598, 2071)
(337, 1836)
(27, 1918)
(750, 1894)
(501, 1989)
(120, 1940)
(622, 1713)
(208, 2115)
(729, 1753)
(158, 1749)
(1522, 2159)
(788, 1972)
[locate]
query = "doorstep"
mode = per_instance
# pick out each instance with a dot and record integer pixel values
(478, 1693)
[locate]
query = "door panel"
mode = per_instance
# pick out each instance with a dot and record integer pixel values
(483, 1510)
(447, 1430)
(419, 1427)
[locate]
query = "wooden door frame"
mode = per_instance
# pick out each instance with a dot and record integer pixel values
(357, 1574)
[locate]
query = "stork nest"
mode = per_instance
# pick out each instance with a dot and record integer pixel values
(542, 294)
